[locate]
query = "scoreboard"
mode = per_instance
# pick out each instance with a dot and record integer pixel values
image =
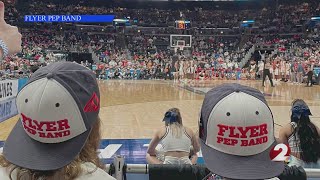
(183, 24)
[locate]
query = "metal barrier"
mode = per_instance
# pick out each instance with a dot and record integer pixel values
(143, 169)
(313, 173)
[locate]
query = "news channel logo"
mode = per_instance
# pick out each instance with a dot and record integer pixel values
(280, 153)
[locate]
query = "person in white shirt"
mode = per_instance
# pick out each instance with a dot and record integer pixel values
(176, 140)
(261, 66)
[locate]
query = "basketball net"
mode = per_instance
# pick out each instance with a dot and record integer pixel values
(178, 48)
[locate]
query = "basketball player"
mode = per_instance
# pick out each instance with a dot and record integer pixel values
(283, 69)
(266, 72)
(175, 71)
(181, 70)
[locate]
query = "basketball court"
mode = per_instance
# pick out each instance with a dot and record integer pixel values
(134, 109)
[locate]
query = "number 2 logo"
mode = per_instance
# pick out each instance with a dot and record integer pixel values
(280, 153)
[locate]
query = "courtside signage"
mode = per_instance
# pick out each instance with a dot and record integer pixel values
(8, 109)
(8, 89)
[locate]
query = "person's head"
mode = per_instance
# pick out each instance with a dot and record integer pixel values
(173, 120)
(306, 131)
(59, 127)
(236, 131)
(299, 111)
(172, 116)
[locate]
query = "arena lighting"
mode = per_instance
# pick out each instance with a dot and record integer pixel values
(248, 21)
(210, 0)
(121, 20)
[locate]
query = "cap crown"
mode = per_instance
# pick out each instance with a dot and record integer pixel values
(60, 102)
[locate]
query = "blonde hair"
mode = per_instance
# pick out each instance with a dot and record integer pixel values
(69, 172)
(176, 127)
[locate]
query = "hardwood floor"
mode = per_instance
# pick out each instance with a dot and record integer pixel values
(134, 109)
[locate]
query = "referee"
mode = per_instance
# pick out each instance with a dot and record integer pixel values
(266, 72)
(310, 74)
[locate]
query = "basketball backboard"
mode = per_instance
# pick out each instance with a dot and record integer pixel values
(178, 40)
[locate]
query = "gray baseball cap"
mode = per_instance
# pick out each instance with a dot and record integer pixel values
(236, 132)
(57, 109)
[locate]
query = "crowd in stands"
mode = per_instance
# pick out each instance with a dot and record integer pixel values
(275, 18)
(64, 131)
(145, 53)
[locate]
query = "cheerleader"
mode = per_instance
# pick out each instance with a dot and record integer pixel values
(189, 70)
(288, 66)
(277, 70)
(283, 70)
(174, 71)
(252, 70)
(181, 70)
(202, 75)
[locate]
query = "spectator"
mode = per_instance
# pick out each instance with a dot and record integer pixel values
(176, 140)
(293, 69)
(309, 76)
(300, 72)
(302, 136)
(59, 132)
(230, 149)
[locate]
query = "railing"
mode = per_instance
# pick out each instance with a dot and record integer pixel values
(118, 169)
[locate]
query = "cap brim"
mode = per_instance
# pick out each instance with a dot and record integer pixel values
(241, 167)
(21, 150)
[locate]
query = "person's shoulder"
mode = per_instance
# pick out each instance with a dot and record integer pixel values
(91, 172)
(189, 131)
(4, 174)
(288, 128)
(161, 131)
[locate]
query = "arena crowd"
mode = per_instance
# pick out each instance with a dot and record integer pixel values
(67, 149)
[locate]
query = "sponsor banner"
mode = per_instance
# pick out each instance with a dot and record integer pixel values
(8, 109)
(21, 83)
(8, 89)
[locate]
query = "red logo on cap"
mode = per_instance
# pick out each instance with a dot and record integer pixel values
(93, 104)
(280, 153)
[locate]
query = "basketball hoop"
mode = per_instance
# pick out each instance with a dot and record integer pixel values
(179, 42)
(181, 48)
